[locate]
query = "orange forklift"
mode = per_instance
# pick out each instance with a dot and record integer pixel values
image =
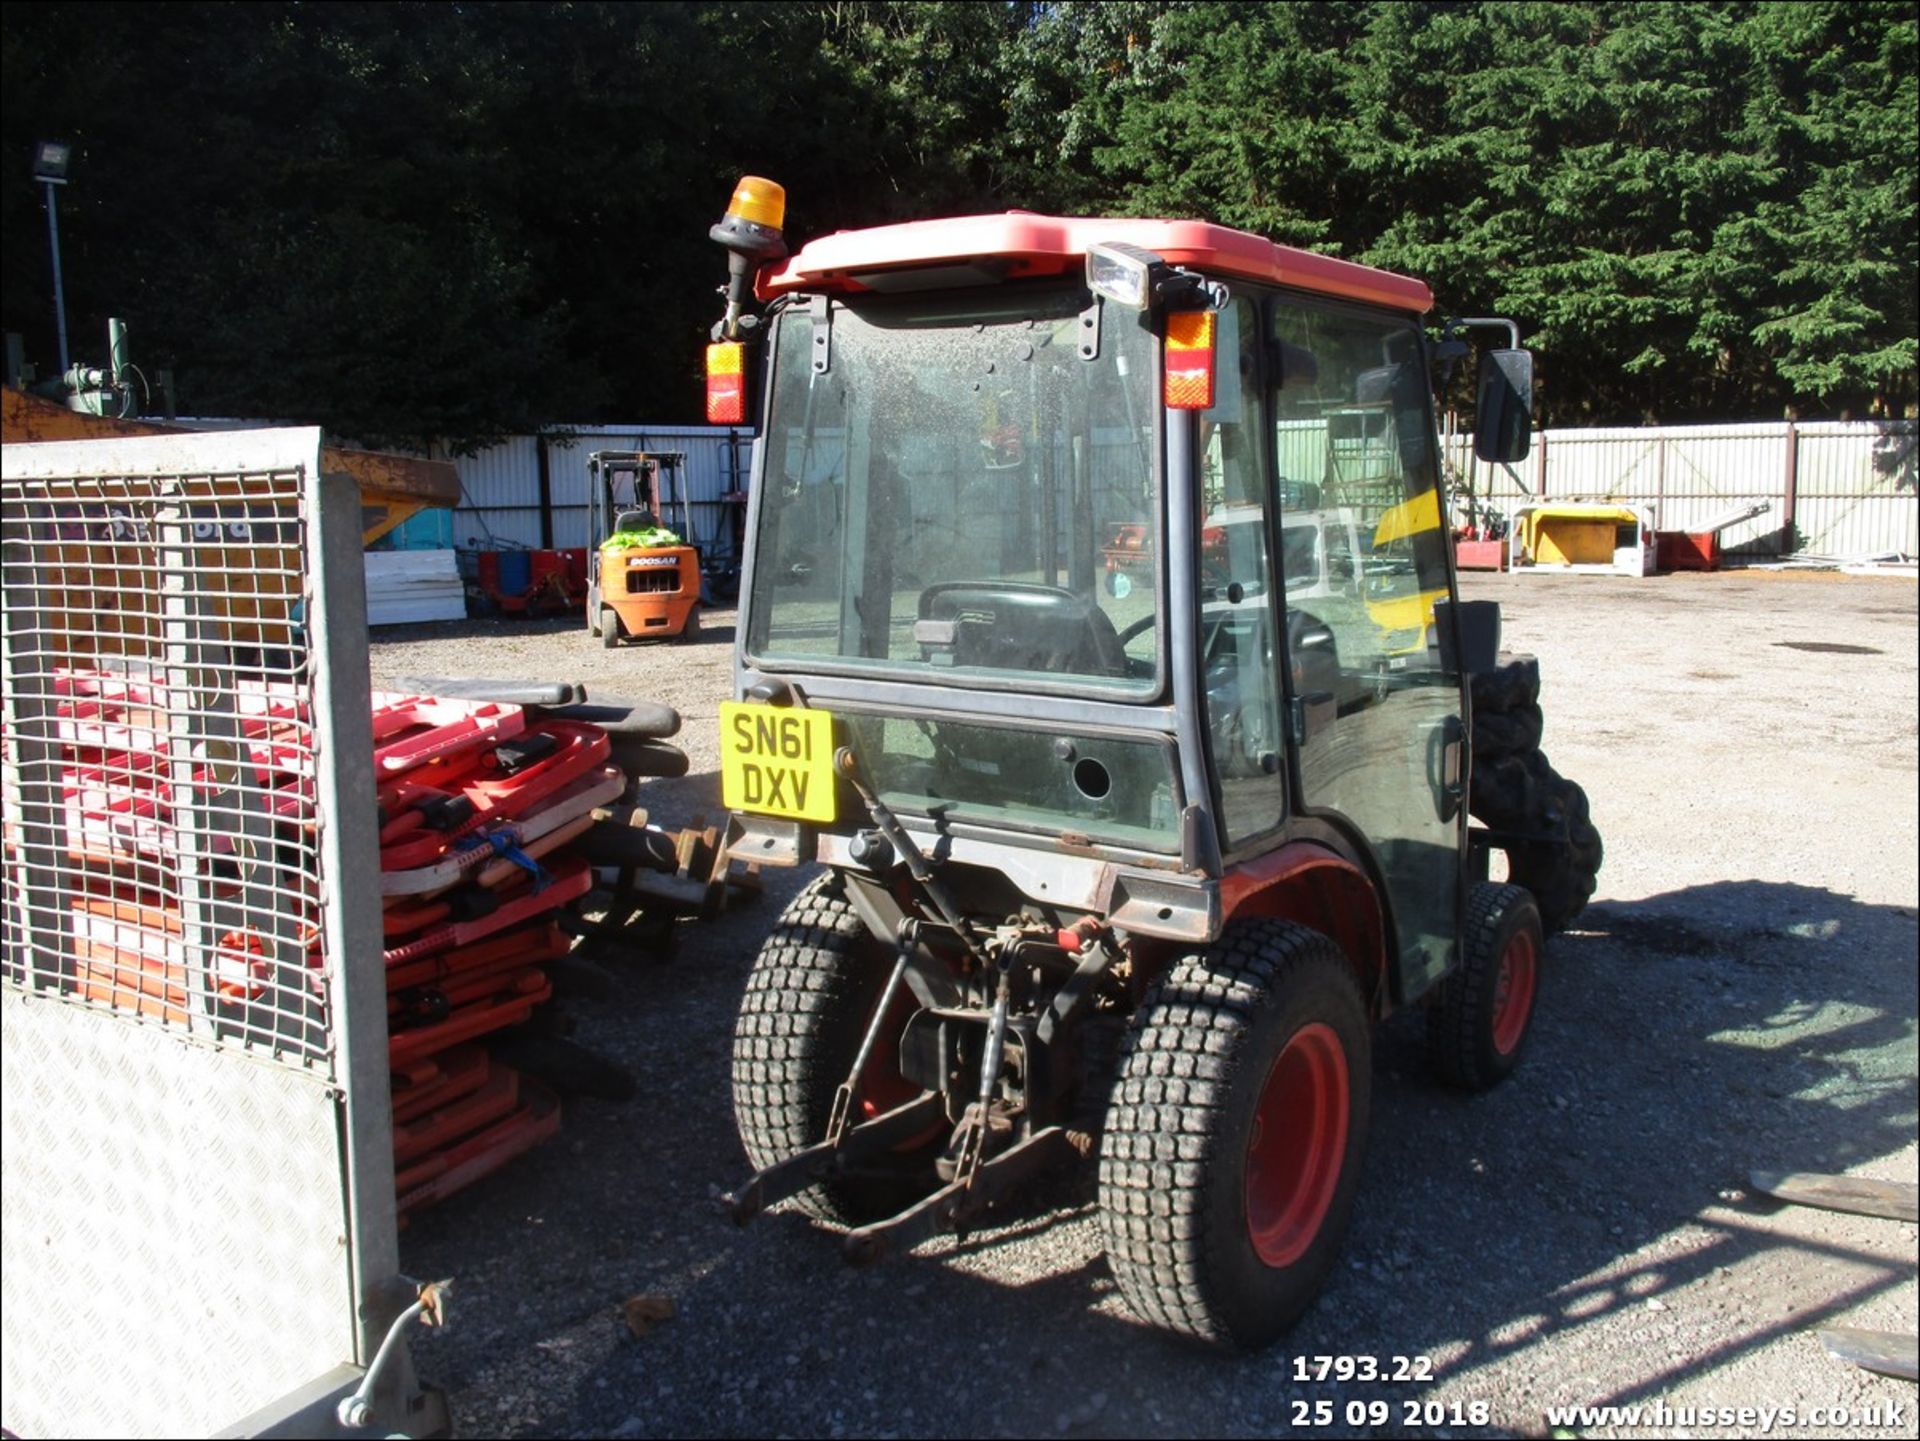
(643, 580)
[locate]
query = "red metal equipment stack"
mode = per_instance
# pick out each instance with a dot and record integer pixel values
(479, 807)
(522, 582)
(119, 795)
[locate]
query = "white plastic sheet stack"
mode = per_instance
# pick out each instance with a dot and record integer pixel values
(406, 586)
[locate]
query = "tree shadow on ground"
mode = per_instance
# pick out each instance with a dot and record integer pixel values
(1588, 1217)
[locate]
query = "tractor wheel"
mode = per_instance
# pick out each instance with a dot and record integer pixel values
(1515, 789)
(1512, 683)
(1481, 1015)
(690, 632)
(1505, 792)
(1524, 793)
(1562, 874)
(809, 999)
(609, 627)
(1507, 733)
(1233, 1143)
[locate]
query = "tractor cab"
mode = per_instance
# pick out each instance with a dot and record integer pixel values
(1099, 634)
(643, 580)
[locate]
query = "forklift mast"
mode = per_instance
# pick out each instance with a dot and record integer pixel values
(652, 481)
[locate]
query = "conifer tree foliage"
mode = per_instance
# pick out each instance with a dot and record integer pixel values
(1696, 211)
(464, 221)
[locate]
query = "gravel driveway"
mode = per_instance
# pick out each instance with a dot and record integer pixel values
(1740, 995)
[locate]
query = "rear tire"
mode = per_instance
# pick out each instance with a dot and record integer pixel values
(609, 627)
(690, 632)
(1233, 1144)
(1516, 789)
(1562, 875)
(1508, 733)
(1513, 682)
(1482, 1014)
(809, 998)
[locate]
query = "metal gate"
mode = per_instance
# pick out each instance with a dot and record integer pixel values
(198, 1213)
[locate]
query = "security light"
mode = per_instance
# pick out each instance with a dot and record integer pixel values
(50, 161)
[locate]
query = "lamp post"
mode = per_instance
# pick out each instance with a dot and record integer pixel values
(50, 161)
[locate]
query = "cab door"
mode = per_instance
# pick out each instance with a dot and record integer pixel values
(1376, 710)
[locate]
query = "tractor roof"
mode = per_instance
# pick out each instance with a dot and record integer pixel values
(1019, 244)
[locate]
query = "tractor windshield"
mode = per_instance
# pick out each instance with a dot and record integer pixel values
(954, 492)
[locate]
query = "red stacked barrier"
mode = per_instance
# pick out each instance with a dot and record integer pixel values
(478, 808)
(476, 813)
(120, 766)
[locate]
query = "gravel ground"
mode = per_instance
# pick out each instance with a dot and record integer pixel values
(1740, 995)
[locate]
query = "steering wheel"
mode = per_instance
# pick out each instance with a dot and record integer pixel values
(1048, 628)
(1135, 630)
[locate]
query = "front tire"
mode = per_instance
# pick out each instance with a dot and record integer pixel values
(809, 998)
(1234, 1142)
(1482, 1014)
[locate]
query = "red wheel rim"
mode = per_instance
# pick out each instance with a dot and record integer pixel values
(1513, 993)
(1298, 1145)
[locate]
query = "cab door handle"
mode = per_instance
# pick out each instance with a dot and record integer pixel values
(1451, 789)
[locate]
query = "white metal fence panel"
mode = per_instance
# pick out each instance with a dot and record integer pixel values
(1502, 486)
(198, 1182)
(1591, 464)
(1689, 475)
(1707, 472)
(1830, 488)
(1856, 489)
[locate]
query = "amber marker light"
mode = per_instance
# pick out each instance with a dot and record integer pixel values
(726, 383)
(1187, 382)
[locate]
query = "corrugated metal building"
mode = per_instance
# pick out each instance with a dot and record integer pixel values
(529, 491)
(1832, 488)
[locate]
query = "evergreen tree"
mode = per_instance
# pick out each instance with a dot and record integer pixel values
(465, 221)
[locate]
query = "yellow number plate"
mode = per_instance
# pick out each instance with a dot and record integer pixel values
(776, 761)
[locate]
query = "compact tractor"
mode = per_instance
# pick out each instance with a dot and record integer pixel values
(1099, 636)
(643, 580)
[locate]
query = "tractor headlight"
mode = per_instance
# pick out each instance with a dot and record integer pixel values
(1123, 273)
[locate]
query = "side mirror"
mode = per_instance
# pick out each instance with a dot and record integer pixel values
(1503, 414)
(1477, 648)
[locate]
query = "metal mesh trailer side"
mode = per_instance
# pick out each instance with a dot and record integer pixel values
(199, 1225)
